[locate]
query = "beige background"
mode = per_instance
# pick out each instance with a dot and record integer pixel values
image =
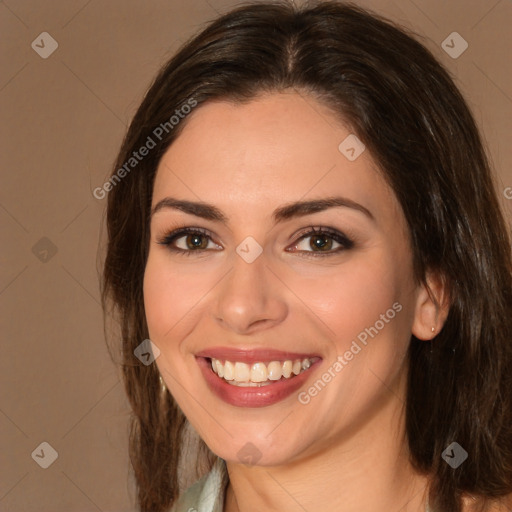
(63, 120)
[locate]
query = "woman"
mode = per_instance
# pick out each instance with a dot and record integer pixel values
(303, 222)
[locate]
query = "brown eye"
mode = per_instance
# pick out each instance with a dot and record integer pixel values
(188, 240)
(321, 242)
(196, 241)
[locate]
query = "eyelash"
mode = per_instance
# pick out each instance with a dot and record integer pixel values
(346, 242)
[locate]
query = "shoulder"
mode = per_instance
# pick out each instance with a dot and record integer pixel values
(207, 494)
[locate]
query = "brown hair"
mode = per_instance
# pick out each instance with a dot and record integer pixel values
(391, 92)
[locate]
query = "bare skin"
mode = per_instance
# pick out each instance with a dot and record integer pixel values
(345, 449)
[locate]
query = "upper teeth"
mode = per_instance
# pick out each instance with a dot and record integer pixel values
(259, 372)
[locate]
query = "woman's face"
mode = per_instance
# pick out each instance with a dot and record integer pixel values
(253, 287)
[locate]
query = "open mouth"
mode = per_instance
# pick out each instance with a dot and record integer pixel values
(258, 381)
(260, 373)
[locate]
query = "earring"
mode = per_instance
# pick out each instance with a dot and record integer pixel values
(433, 329)
(163, 387)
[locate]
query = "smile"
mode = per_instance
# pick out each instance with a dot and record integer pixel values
(255, 378)
(259, 374)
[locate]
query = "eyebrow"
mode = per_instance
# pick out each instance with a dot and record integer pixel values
(281, 214)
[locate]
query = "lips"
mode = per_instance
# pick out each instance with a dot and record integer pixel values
(254, 395)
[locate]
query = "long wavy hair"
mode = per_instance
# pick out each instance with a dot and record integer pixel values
(389, 90)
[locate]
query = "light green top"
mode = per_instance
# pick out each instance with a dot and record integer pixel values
(207, 494)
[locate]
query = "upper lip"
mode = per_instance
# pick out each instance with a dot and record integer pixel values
(252, 355)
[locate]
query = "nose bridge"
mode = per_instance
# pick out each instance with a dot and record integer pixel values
(248, 294)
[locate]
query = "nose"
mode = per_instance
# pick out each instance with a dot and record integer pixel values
(250, 297)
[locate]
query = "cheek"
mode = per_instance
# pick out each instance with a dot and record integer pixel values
(350, 297)
(366, 325)
(171, 298)
(170, 295)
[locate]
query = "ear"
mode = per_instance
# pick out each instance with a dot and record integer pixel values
(432, 306)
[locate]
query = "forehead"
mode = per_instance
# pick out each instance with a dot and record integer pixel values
(275, 148)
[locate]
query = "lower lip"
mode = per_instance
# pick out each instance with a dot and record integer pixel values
(260, 396)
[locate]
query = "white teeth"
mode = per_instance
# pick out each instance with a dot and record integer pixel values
(287, 369)
(259, 374)
(242, 372)
(275, 370)
(229, 370)
(220, 368)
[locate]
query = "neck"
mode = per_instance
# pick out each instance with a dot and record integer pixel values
(364, 471)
